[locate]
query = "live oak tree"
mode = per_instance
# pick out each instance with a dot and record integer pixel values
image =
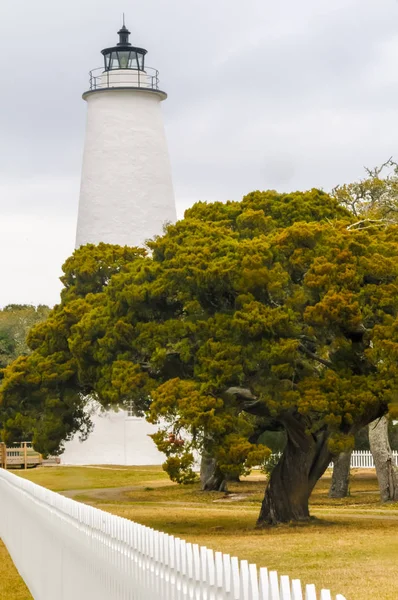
(274, 314)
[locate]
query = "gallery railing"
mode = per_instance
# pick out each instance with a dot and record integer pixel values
(131, 78)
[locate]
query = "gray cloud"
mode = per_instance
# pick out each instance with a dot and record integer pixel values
(262, 95)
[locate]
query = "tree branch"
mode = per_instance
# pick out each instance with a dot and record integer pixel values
(324, 362)
(247, 401)
(374, 221)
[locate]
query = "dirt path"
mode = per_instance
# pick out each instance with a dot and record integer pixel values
(120, 494)
(115, 493)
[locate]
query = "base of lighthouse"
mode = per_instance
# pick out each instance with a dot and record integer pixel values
(117, 439)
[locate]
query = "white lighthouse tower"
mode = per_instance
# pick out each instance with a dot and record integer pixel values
(126, 191)
(126, 197)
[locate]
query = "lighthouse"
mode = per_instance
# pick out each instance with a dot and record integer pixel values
(126, 193)
(126, 197)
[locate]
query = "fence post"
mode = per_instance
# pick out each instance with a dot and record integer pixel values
(285, 588)
(264, 584)
(253, 582)
(310, 592)
(227, 573)
(244, 580)
(3, 455)
(274, 585)
(25, 455)
(297, 592)
(235, 577)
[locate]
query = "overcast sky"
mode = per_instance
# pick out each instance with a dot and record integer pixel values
(262, 94)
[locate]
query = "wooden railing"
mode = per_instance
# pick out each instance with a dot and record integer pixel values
(21, 455)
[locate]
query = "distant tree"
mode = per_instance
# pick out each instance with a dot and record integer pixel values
(15, 322)
(373, 199)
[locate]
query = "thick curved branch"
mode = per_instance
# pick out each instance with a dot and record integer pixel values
(247, 401)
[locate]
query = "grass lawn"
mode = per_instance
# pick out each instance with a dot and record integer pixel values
(11, 585)
(351, 548)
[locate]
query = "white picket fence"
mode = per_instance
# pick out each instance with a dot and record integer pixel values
(65, 550)
(364, 459)
(360, 459)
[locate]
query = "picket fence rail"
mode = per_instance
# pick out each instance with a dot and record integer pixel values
(66, 550)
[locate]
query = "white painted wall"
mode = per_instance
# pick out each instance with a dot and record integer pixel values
(126, 191)
(116, 440)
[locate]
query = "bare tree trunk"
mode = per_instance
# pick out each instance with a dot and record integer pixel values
(386, 471)
(211, 478)
(303, 462)
(340, 486)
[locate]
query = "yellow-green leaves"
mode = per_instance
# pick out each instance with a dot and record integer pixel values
(277, 295)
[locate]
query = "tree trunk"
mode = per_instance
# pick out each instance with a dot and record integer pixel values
(386, 471)
(303, 462)
(211, 478)
(339, 488)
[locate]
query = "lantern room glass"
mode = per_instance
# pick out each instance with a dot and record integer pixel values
(124, 59)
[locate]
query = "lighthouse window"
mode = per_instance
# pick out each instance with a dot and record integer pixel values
(124, 59)
(133, 60)
(114, 61)
(140, 58)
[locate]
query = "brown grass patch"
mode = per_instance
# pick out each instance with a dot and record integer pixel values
(12, 586)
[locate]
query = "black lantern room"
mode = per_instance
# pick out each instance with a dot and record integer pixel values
(124, 55)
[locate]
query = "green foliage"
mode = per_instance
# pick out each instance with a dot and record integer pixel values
(15, 322)
(274, 440)
(90, 269)
(179, 468)
(42, 397)
(275, 297)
